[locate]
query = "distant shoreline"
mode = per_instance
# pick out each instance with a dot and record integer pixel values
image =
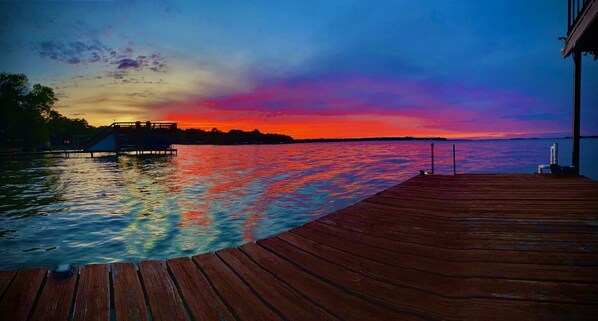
(327, 140)
(12, 153)
(366, 139)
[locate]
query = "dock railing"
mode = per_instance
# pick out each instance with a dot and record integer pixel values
(134, 135)
(432, 159)
(149, 125)
(575, 10)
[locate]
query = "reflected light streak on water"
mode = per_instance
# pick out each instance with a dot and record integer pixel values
(110, 209)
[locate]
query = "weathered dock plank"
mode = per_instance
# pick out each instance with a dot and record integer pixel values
(92, 302)
(202, 301)
(422, 253)
(19, 299)
(129, 303)
(379, 292)
(56, 300)
(440, 281)
(5, 278)
(462, 247)
(245, 304)
(164, 300)
(284, 299)
(338, 302)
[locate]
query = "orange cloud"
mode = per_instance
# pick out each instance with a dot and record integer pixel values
(358, 106)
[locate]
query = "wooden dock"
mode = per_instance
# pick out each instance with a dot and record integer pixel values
(463, 247)
(72, 152)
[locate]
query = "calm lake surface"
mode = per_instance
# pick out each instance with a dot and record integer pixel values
(109, 209)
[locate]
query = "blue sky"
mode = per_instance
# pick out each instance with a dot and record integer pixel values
(308, 68)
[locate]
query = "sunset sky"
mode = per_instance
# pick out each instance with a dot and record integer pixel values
(457, 69)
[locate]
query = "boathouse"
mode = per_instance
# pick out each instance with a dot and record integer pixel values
(136, 136)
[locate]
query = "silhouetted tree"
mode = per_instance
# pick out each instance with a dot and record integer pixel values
(13, 90)
(65, 131)
(27, 120)
(24, 111)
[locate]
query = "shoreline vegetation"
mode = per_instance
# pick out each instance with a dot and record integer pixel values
(27, 120)
(195, 136)
(360, 139)
(28, 123)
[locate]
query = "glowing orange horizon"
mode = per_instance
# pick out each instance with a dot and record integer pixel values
(353, 106)
(337, 128)
(358, 106)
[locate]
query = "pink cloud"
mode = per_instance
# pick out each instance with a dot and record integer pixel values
(422, 106)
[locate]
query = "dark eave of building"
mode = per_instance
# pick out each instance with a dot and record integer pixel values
(583, 33)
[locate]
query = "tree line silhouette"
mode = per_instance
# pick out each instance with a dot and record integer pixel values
(28, 122)
(232, 137)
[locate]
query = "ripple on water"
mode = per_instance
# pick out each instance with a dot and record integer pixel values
(110, 209)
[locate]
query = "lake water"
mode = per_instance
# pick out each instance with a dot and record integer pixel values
(109, 209)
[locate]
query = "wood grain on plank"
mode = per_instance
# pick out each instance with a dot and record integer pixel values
(332, 298)
(163, 298)
(421, 253)
(456, 268)
(129, 301)
(284, 299)
(5, 278)
(18, 300)
(438, 282)
(56, 300)
(382, 293)
(92, 301)
(240, 298)
(203, 303)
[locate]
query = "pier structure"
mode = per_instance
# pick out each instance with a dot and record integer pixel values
(133, 137)
(120, 138)
(582, 37)
(459, 247)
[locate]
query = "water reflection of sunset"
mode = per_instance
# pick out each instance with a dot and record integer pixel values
(210, 197)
